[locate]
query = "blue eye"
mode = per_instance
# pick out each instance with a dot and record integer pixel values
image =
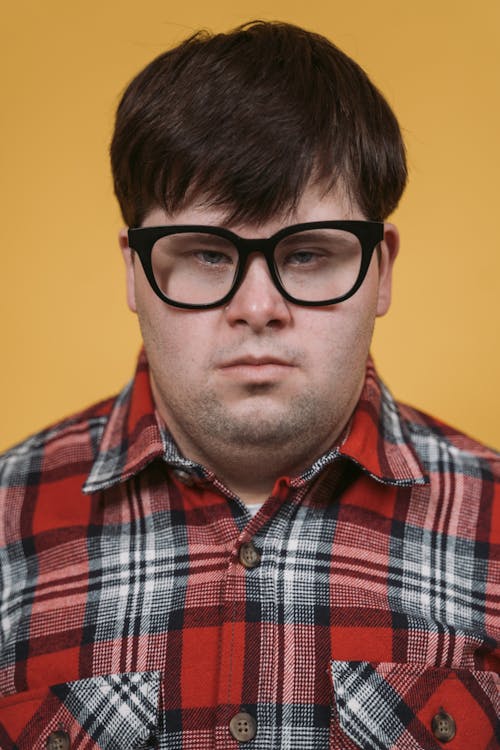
(302, 257)
(212, 257)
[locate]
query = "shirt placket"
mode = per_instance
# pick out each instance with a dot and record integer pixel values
(235, 718)
(249, 664)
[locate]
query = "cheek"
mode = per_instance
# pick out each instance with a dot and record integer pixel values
(344, 330)
(172, 338)
(159, 331)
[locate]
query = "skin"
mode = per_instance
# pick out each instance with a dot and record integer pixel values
(262, 387)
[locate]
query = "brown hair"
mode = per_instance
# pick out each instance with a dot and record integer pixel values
(246, 120)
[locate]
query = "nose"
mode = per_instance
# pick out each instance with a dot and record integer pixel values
(257, 303)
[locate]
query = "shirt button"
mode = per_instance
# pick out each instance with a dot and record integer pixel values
(249, 557)
(58, 741)
(243, 727)
(443, 726)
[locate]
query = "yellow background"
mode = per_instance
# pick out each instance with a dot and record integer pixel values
(68, 338)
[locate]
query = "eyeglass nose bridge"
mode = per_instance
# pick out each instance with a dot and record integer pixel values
(246, 248)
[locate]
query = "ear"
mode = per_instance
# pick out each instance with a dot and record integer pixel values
(387, 255)
(128, 257)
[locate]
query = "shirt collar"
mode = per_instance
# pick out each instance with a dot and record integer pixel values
(131, 439)
(376, 438)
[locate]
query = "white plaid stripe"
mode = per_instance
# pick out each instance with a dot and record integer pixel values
(139, 576)
(437, 575)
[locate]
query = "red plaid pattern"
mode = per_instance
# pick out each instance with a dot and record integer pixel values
(128, 620)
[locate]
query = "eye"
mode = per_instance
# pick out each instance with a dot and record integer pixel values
(303, 257)
(212, 257)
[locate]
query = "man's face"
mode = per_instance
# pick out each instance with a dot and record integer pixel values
(261, 378)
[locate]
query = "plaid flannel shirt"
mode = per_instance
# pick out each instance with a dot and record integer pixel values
(142, 605)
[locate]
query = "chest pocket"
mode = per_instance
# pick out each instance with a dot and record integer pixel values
(111, 712)
(386, 706)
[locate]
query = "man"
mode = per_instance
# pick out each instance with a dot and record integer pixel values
(253, 543)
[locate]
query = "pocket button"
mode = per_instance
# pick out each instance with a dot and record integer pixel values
(443, 726)
(58, 741)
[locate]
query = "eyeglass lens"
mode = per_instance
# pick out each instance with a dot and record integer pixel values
(312, 265)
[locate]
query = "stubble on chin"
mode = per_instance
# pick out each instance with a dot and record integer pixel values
(260, 433)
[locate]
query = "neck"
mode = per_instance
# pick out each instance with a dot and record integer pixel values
(251, 472)
(248, 449)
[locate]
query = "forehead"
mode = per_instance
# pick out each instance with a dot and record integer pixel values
(314, 205)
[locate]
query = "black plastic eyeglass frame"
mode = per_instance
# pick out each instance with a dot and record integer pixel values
(369, 234)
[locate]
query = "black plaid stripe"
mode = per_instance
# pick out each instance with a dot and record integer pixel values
(138, 573)
(439, 576)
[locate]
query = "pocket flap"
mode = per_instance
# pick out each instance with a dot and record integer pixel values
(113, 712)
(385, 705)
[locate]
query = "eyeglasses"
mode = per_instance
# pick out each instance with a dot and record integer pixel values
(312, 264)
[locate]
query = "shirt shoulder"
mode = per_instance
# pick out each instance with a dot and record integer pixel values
(65, 447)
(442, 448)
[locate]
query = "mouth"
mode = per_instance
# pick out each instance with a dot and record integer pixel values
(258, 361)
(256, 369)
